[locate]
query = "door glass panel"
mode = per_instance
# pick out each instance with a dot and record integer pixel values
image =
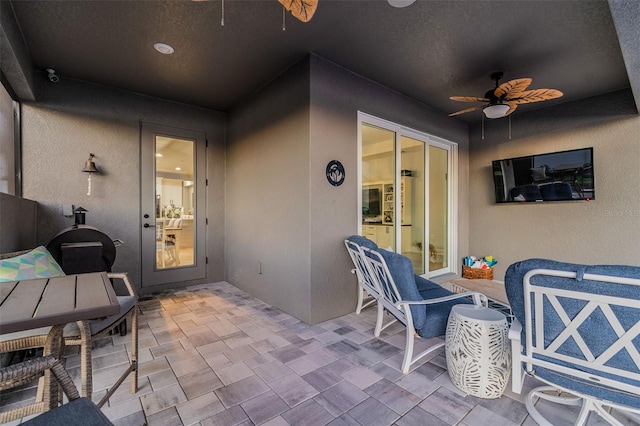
(174, 202)
(438, 208)
(378, 183)
(412, 202)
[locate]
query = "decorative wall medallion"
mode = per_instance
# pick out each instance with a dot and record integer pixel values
(335, 173)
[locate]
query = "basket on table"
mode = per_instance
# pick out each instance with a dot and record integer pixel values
(477, 273)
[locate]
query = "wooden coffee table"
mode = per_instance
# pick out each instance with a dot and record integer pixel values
(492, 289)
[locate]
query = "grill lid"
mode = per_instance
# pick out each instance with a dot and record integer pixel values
(83, 234)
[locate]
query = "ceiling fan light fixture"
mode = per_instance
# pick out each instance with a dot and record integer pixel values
(496, 111)
(401, 3)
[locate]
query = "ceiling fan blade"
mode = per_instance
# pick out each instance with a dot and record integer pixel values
(536, 95)
(512, 88)
(468, 99)
(301, 9)
(464, 111)
(512, 107)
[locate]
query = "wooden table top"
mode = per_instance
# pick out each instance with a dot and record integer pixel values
(30, 304)
(492, 289)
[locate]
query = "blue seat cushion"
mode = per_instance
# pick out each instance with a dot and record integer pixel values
(437, 315)
(79, 412)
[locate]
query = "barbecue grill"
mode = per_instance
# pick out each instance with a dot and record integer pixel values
(82, 248)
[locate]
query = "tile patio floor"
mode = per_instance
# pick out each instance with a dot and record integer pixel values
(213, 355)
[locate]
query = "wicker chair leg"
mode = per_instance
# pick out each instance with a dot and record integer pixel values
(86, 368)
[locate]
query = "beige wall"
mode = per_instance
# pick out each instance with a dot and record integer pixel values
(267, 204)
(72, 119)
(605, 230)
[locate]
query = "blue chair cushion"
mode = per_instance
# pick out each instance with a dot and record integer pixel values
(401, 270)
(79, 412)
(363, 242)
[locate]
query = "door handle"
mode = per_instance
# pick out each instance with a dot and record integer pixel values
(146, 225)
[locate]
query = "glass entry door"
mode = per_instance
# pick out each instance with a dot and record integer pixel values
(172, 196)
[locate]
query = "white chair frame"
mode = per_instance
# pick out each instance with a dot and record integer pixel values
(401, 310)
(535, 298)
(368, 294)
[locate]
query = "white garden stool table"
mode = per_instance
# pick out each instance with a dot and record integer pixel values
(478, 351)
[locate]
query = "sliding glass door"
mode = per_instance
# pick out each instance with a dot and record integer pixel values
(405, 201)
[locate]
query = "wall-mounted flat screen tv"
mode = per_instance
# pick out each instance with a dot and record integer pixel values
(557, 176)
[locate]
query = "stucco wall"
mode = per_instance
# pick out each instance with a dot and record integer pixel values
(605, 230)
(72, 119)
(267, 201)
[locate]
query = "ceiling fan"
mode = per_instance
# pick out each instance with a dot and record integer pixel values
(301, 9)
(506, 97)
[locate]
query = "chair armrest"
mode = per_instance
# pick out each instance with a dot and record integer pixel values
(477, 297)
(124, 277)
(515, 330)
(517, 372)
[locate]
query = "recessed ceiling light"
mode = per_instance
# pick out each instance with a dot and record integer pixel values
(401, 3)
(165, 49)
(178, 168)
(159, 155)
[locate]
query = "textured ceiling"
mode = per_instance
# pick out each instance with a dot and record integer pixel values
(428, 51)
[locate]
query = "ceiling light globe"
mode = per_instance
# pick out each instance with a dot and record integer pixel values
(496, 111)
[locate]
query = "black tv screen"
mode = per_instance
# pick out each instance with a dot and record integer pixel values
(371, 201)
(557, 176)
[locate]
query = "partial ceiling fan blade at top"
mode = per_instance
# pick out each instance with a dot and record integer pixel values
(468, 99)
(464, 111)
(511, 89)
(536, 95)
(301, 9)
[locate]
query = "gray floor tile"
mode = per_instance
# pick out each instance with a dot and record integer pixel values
(162, 399)
(341, 398)
(447, 406)
(272, 371)
(165, 417)
(199, 383)
(308, 413)
(393, 396)
(293, 389)
(279, 371)
(201, 407)
(241, 391)
(230, 417)
(371, 412)
(264, 407)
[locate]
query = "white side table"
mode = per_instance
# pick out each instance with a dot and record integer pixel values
(478, 350)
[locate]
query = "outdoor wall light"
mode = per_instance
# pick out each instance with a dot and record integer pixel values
(90, 167)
